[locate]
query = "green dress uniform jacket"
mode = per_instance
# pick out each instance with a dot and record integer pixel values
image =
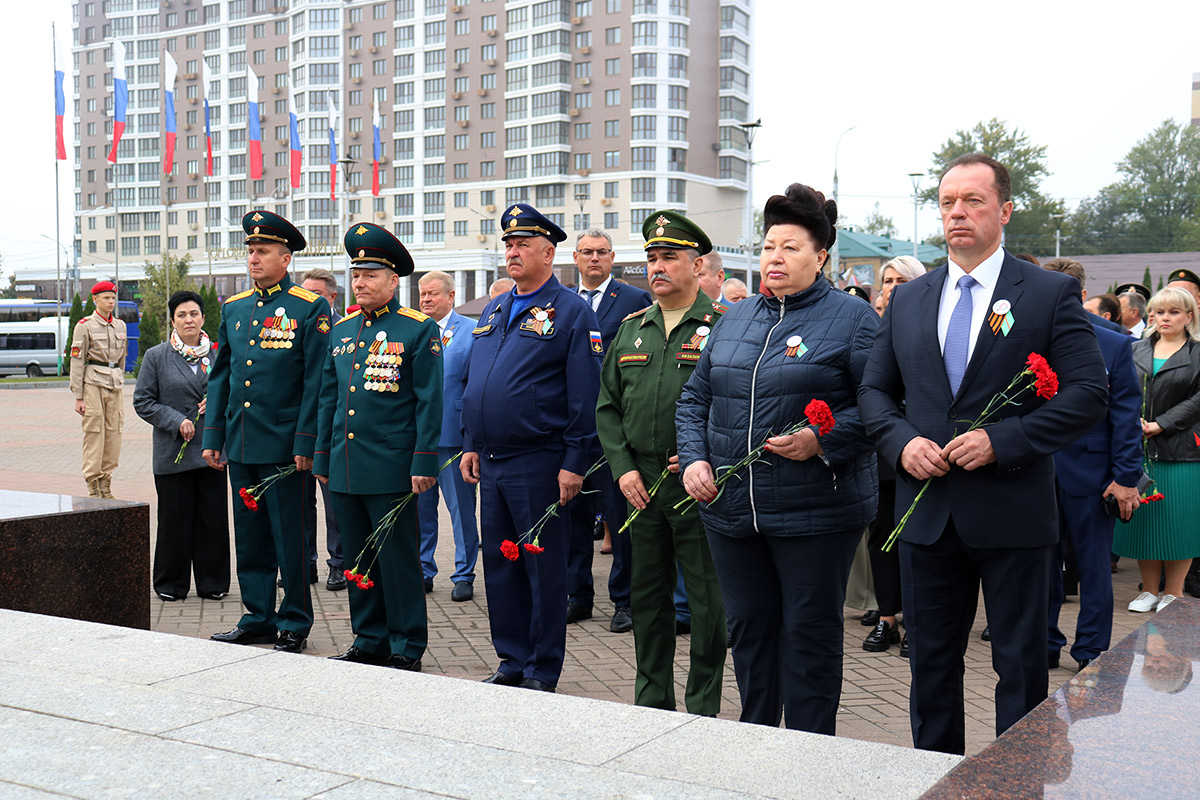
(644, 373)
(642, 377)
(381, 402)
(265, 381)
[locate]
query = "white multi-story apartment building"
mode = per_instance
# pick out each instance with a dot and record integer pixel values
(595, 111)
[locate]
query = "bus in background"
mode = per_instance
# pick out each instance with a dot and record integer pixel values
(32, 339)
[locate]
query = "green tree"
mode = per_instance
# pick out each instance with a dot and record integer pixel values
(212, 313)
(877, 224)
(1031, 229)
(73, 318)
(1154, 205)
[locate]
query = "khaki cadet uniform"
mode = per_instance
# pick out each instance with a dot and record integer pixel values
(97, 377)
(643, 375)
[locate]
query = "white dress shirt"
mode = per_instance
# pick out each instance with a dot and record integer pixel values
(1137, 330)
(986, 275)
(600, 291)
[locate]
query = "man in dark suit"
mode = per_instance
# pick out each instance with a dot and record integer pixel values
(1105, 461)
(950, 341)
(612, 301)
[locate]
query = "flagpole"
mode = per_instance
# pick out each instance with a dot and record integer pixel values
(57, 223)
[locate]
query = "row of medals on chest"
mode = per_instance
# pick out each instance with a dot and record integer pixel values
(382, 365)
(278, 332)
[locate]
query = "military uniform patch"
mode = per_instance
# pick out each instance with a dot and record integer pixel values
(75, 351)
(597, 341)
(633, 358)
(691, 356)
(435, 345)
(323, 324)
(404, 311)
(541, 321)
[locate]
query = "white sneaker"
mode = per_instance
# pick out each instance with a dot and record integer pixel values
(1145, 602)
(1166, 600)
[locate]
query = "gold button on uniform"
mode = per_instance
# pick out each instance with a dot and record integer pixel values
(352, 412)
(260, 303)
(356, 366)
(368, 323)
(352, 388)
(362, 344)
(247, 383)
(246, 404)
(349, 435)
(252, 343)
(249, 363)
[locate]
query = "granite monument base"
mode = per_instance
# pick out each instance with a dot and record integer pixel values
(76, 557)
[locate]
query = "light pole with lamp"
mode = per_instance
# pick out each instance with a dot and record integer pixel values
(916, 184)
(749, 130)
(1058, 221)
(343, 217)
(834, 255)
(582, 195)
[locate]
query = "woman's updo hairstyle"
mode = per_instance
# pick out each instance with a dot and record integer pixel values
(804, 206)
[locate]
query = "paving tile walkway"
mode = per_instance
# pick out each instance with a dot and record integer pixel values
(40, 452)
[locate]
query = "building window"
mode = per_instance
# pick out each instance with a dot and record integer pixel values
(645, 95)
(612, 97)
(644, 127)
(643, 159)
(645, 34)
(732, 168)
(612, 159)
(677, 128)
(612, 35)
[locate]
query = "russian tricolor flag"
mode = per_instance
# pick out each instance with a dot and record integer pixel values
(333, 157)
(294, 139)
(208, 159)
(255, 126)
(120, 98)
(170, 69)
(60, 105)
(378, 152)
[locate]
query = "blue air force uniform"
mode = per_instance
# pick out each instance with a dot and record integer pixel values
(262, 412)
(379, 425)
(528, 410)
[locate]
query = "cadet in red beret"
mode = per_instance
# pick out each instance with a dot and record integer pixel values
(97, 377)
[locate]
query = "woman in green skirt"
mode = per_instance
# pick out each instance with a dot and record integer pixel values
(1164, 536)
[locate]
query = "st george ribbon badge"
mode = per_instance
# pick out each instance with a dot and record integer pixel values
(699, 338)
(796, 348)
(1001, 319)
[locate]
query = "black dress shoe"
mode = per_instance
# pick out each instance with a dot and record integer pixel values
(462, 592)
(336, 581)
(1052, 660)
(243, 636)
(986, 636)
(356, 655)
(884, 636)
(290, 642)
(622, 621)
(169, 598)
(536, 685)
(870, 619)
(1191, 583)
(577, 612)
(312, 573)
(407, 663)
(429, 586)
(682, 628)
(1083, 663)
(213, 595)
(904, 646)
(501, 678)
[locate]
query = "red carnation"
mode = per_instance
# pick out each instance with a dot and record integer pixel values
(1154, 498)
(1045, 379)
(818, 414)
(366, 583)
(248, 499)
(533, 548)
(349, 573)
(509, 550)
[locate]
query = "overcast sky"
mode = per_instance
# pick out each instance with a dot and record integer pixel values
(1082, 81)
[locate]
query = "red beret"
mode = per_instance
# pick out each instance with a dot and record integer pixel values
(104, 286)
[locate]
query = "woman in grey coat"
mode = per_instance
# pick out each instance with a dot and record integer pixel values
(193, 521)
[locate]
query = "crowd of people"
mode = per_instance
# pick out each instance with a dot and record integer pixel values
(683, 418)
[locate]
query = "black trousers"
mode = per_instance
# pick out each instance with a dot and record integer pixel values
(193, 533)
(941, 590)
(885, 567)
(783, 599)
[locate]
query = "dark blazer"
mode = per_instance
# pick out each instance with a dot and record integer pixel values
(619, 301)
(167, 393)
(1009, 503)
(1172, 400)
(1112, 449)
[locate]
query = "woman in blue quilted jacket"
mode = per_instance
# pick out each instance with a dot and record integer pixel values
(784, 530)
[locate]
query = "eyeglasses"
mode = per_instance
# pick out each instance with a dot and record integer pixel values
(589, 253)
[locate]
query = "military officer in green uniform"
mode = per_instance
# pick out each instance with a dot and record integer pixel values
(262, 417)
(379, 424)
(647, 364)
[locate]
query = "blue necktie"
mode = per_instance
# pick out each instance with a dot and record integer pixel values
(591, 296)
(958, 335)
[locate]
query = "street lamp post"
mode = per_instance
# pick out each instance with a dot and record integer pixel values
(582, 194)
(1058, 221)
(834, 255)
(750, 129)
(343, 217)
(916, 184)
